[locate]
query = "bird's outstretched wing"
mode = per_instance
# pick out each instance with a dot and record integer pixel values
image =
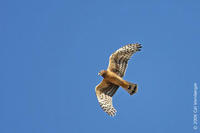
(104, 92)
(119, 59)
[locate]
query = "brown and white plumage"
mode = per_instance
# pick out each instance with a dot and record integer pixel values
(119, 59)
(118, 62)
(104, 92)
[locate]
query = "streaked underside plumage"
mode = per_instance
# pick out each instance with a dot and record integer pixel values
(118, 62)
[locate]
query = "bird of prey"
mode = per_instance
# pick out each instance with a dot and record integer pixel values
(112, 77)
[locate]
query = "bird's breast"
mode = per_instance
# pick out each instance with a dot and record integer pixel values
(113, 78)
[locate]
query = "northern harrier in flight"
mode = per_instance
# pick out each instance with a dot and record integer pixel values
(113, 77)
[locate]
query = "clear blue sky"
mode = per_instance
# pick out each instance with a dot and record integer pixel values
(52, 50)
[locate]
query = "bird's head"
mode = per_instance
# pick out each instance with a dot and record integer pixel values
(102, 73)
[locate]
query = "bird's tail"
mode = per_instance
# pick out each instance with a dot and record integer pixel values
(132, 89)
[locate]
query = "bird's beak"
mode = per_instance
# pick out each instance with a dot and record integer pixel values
(99, 74)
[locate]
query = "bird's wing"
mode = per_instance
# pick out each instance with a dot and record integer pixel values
(104, 92)
(118, 61)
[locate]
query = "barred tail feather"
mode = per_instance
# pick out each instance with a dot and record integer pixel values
(132, 88)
